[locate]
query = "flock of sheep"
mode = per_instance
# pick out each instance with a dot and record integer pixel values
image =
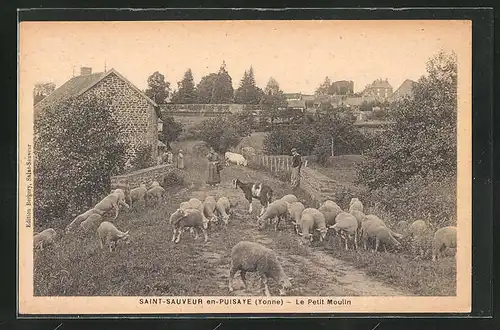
(353, 227)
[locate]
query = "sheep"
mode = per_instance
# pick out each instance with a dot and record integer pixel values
(330, 203)
(330, 211)
(295, 213)
(222, 207)
(155, 184)
(312, 219)
(259, 191)
(417, 228)
(370, 222)
(445, 237)
(209, 206)
(375, 219)
(190, 218)
(110, 235)
(139, 193)
(419, 236)
(125, 187)
(44, 238)
(360, 216)
(235, 158)
(156, 193)
(91, 221)
(383, 235)
(195, 203)
(290, 198)
(355, 204)
(78, 220)
(347, 225)
(277, 209)
(254, 257)
(112, 201)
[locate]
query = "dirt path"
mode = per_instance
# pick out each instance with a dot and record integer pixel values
(313, 272)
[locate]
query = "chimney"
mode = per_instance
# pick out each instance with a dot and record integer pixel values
(85, 71)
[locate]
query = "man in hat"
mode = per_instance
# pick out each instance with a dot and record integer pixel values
(296, 166)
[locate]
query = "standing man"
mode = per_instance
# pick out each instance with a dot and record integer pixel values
(296, 165)
(180, 160)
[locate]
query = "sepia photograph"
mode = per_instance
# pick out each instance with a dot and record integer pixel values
(317, 166)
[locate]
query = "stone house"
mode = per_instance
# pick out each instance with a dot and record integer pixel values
(137, 115)
(379, 88)
(406, 89)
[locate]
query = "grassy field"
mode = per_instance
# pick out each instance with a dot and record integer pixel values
(152, 265)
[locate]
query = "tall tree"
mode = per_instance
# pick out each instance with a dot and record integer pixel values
(325, 87)
(41, 90)
(273, 102)
(171, 130)
(222, 90)
(205, 88)
(186, 91)
(248, 92)
(158, 89)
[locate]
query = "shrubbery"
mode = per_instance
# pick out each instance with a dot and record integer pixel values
(143, 158)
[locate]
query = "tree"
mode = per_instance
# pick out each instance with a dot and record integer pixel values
(205, 88)
(220, 133)
(422, 140)
(222, 90)
(171, 130)
(41, 90)
(324, 88)
(186, 91)
(77, 149)
(273, 101)
(248, 92)
(158, 89)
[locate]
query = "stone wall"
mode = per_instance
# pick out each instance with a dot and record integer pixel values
(135, 115)
(146, 175)
(318, 186)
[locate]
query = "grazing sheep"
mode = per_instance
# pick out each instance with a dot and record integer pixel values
(277, 209)
(295, 213)
(138, 194)
(184, 206)
(312, 219)
(330, 203)
(222, 207)
(235, 158)
(209, 206)
(347, 225)
(383, 235)
(369, 224)
(417, 228)
(259, 191)
(290, 198)
(110, 202)
(157, 193)
(110, 235)
(355, 204)
(360, 216)
(330, 211)
(191, 218)
(78, 220)
(254, 257)
(44, 238)
(123, 186)
(375, 219)
(91, 222)
(155, 184)
(445, 237)
(420, 238)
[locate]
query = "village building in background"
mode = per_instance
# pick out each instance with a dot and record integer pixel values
(137, 115)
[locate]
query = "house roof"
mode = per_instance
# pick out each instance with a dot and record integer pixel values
(379, 83)
(406, 88)
(78, 85)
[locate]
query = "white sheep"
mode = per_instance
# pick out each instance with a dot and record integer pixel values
(209, 206)
(370, 222)
(222, 207)
(110, 235)
(347, 225)
(156, 193)
(110, 202)
(355, 204)
(312, 219)
(138, 194)
(124, 186)
(445, 237)
(78, 220)
(190, 218)
(295, 213)
(360, 216)
(330, 203)
(155, 184)
(417, 228)
(383, 235)
(235, 158)
(91, 222)
(330, 211)
(254, 257)
(184, 205)
(277, 209)
(44, 238)
(290, 198)
(420, 237)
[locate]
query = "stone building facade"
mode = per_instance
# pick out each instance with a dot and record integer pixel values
(379, 88)
(136, 114)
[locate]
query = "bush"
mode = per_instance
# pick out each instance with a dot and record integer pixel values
(173, 178)
(222, 133)
(143, 158)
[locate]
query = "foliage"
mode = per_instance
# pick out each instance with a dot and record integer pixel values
(76, 151)
(248, 92)
(158, 89)
(216, 88)
(273, 102)
(143, 158)
(324, 88)
(422, 140)
(174, 178)
(222, 133)
(205, 88)
(171, 130)
(41, 90)
(186, 90)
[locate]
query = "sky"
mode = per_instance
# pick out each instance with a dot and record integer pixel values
(298, 54)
